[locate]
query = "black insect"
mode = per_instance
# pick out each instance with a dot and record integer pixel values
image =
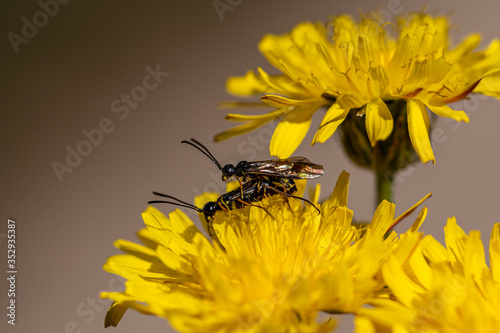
(251, 192)
(290, 168)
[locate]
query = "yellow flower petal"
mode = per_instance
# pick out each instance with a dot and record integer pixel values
(254, 121)
(465, 47)
(291, 131)
(455, 239)
(382, 218)
(418, 125)
(426, 72)
(408, 244)
(180, 224)
(283, 85)
(447, 112)
(420, 219)
(363, 325)
(490, 85)
(115, 313)
(495, 252)
(157, 224)
(246, 85)
(398, 68)
(240, 105)
(417, 263)
(341, 191)
(477, 65)
(130, 267)
(314, 194)
(201, 200)
(379, 122)
(474, 260)
(259, 117)
(148, 239)
(280, 102)
(272, 47)
(339, 285)
(406, 289)
(351, 101)
(238, 130)
(167, 230)
(332, 119)
(433, 250)
(410, 210)
(134, 248)
(177, 263)
(462, 93)
(389, 315)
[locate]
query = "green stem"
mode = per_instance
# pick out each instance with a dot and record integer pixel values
(385, 182)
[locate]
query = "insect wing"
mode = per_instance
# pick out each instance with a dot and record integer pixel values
(297, 167)
(249, 189)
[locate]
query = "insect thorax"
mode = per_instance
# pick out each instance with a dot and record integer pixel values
(241, 169)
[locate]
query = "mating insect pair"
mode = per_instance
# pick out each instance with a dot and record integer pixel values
(258, 180)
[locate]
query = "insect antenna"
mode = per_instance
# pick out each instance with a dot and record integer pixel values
(292, 196)
(204, 151)
(305, 200)
(180, 203)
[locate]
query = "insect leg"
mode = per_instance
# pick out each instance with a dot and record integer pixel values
(288, 203)
(223, 206)
(292, 196)
(210, 227)
(241, 186)
(249, 204)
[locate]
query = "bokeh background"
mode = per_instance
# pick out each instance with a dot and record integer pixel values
(69, 77)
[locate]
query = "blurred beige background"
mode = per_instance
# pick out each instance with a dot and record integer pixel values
(69, 78)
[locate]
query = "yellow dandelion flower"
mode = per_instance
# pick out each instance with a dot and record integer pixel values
(267, 272)
(362, 68)
(441, 289)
